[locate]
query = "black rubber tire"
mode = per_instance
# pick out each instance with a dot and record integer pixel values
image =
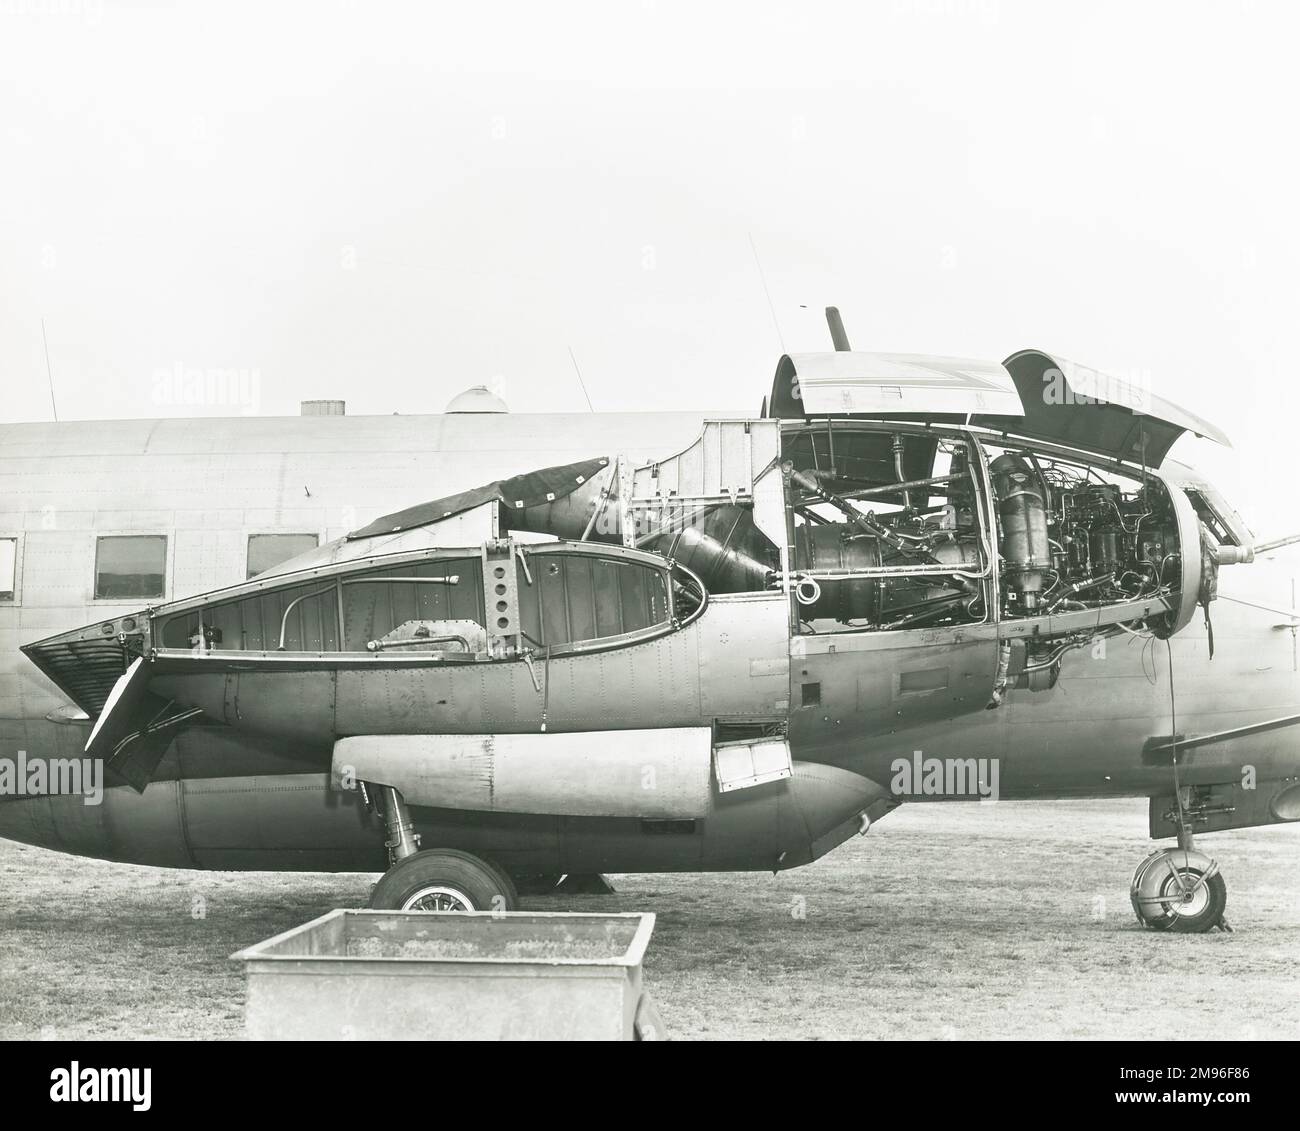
(508, 885)
(484, 886)
(1178, 924)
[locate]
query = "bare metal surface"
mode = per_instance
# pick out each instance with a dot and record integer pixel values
(661, 773)
(411, 975)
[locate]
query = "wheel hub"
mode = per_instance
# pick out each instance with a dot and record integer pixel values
(1188, 895)
(437, 897)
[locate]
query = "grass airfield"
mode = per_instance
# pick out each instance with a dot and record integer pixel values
(946, 922)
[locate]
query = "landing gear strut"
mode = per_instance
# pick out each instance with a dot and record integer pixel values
(434, 879)
(1179, 890)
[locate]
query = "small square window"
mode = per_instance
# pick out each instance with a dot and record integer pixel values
(268, 550)
(130, 566)
(8, 568)
(811, 694)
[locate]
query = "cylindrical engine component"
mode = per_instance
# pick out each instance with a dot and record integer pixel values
(1104, 547)
(723, 548)
(833, 546)
(1026, 551)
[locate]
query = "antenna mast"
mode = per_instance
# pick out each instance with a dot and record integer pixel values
(49, 373)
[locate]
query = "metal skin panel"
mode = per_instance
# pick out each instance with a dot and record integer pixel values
(642, 685)
(459, 698)
(649, 774)
(844, 703)
(314, 700)
(295, 705)
(1230, 806)
(289, 822)
(477, 976)
(725, 460)
(1087, 737)
(1073, 405)
(744, 656)
(305, 1005)
(245, 821)
(656, 683)
(870, 384)
(115, 721)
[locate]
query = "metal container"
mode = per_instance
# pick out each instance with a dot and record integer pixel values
(484, 975)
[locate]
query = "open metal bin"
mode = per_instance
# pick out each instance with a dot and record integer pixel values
(481, 975)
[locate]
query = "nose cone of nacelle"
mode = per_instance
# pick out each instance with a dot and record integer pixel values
(65, 823)
(832, 803)
(115, 824)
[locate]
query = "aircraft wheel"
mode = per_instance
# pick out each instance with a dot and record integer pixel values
(1179, 891)
(508, 885)
(444, 879)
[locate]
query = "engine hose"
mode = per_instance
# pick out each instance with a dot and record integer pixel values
(917, 618)
(1002, 677)
(1079, 587)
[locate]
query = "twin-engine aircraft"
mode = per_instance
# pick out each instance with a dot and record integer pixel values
(910, 578)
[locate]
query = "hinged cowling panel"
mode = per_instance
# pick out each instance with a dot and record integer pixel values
(884, 384)
(742, 765)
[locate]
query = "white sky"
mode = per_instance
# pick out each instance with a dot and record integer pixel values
(388, 203)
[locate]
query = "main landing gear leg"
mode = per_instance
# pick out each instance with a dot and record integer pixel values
(401, 838)
(1180, 890)
(434, 879)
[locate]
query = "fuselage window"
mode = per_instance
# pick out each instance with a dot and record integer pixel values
(130, 566)
(8, 568)
(268, 550)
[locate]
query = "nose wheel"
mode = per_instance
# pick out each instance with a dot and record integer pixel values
(1181, 891)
